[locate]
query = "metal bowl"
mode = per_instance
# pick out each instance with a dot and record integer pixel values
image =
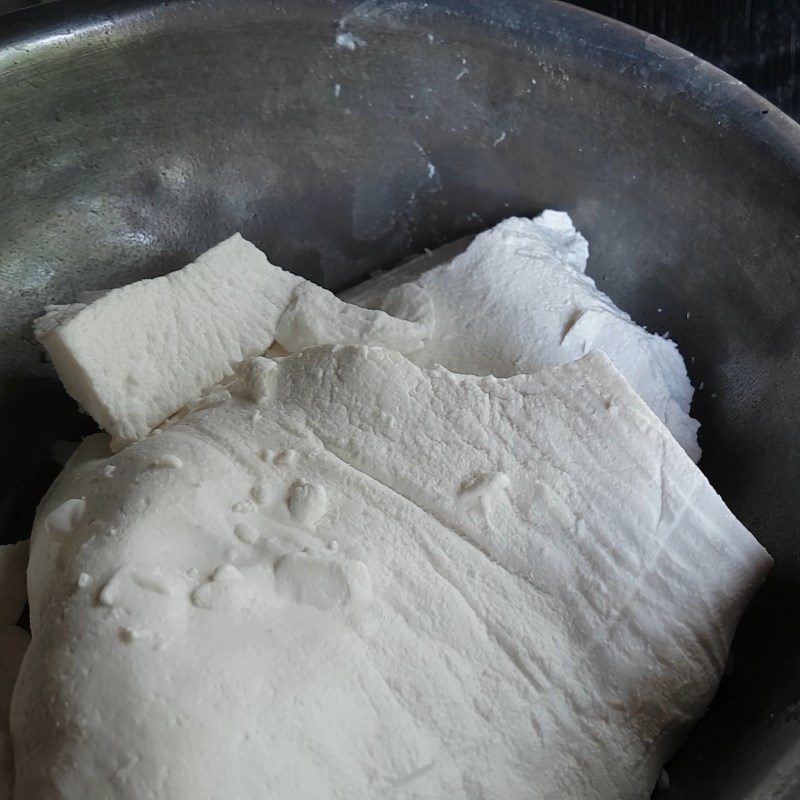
(341, 137)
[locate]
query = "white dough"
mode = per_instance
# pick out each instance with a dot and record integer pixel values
(136, 355)
(450, 586)
(13, 563)
(516, 298)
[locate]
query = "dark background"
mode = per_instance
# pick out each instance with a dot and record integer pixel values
(756, 41)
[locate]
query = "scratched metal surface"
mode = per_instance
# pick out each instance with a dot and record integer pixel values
(756, 41)
(135, 134)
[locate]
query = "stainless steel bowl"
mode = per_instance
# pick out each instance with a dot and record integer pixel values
(135, 134)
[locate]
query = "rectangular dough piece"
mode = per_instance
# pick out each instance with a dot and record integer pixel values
(136, 355)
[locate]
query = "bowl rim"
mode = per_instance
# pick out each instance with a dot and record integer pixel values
(717, 94)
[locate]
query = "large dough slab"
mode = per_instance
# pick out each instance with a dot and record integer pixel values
(356, 578)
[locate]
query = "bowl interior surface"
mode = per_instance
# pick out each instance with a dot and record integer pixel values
(342, 137)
